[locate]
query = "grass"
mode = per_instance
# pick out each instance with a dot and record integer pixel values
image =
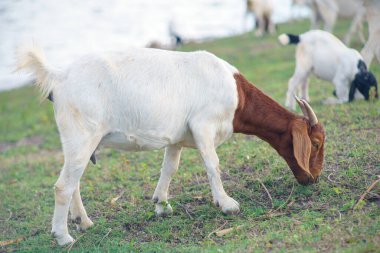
(315, 218)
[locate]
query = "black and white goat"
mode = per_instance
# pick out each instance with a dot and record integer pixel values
(324, 55)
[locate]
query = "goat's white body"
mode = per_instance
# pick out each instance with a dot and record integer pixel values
(140, 99)
(372, 46)
(263, 10)
(322, 54)
(146, 99)
(328, 11)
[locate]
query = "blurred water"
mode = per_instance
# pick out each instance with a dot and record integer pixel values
(66, 29)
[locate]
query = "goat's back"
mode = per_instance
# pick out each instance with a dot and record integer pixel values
(149, 91)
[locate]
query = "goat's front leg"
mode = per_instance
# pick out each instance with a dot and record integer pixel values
(260, 29)
(78, 213)
(205, 144)
(169, 167)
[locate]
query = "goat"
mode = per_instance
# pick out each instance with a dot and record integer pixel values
(329, 10)
(372, 46)
(145, 99)
(323, 54)
(263, 10)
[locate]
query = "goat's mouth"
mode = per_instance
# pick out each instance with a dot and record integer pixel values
(308, 180)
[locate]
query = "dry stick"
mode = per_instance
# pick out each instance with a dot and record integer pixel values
(227, 230)
(365, 129)
(72, 244)
(287, 200)
(219, 228)
(109, 231)
(113, 201)
(366, 192)
(328, 178)
(9, 242)
(187, 211)
(269, 215)
(266, 190)
(10, 216)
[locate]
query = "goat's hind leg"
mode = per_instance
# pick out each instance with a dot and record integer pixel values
(77, 152)
(78, 213)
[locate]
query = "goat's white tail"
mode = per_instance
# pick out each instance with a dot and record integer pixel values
(286, 39)
(31, 58)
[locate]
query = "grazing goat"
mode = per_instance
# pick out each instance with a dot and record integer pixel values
(145, 99)
(323, 54)
(329, 10)
(263, 10)
(372, 47)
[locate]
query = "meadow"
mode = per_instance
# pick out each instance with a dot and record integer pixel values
(277, 214)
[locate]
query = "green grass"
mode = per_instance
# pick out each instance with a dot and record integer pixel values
(316, 218)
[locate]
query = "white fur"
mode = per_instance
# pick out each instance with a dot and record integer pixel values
(262, 9)
(372, 46)
(328, 11)
(324, 55)
(284, 39)
(140, 99)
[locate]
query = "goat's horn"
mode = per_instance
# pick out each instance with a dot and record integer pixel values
(311, 114)
(301, 104)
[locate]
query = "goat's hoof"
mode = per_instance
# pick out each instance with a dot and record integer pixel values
(76, 220)
(163, 209)
(84, 224)
(62, 239)
(229, 206)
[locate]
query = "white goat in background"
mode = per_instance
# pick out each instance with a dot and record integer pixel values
(328, 11)
(372, 47)
(324, 55)
(263, 11)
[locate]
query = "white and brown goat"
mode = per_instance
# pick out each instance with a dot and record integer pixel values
(145, 99)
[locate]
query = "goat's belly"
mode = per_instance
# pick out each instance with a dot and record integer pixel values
(324, 73)
(134, 142)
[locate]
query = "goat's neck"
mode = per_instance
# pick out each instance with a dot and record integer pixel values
(257, 114)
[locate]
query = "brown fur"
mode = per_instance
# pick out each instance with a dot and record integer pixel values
(292, 136)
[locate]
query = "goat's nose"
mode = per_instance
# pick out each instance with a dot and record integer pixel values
(316, 179)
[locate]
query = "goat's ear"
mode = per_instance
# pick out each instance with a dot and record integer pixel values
(301, 146)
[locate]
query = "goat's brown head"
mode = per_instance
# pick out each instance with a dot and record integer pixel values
(304, 151)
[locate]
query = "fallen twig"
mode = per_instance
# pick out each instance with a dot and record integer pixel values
(365, 129)
(219, 228)
(266, 190)
(269, 215)
(9, 242)
(184, 208)
(109, 231)
(227, 231)
(366, 192)
(287, 200)
(113, 201)
(72, 244)
(10, 216)
(330, 180)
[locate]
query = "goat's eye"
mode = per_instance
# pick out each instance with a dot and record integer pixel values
(315, 145)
